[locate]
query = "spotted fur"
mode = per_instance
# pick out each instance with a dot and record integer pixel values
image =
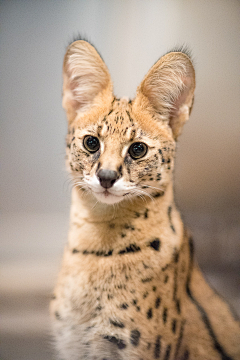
(129, 286)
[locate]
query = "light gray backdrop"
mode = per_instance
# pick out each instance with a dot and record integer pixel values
(130, 35)
(34, 193)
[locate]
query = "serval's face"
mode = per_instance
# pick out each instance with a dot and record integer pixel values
(115, 158)
(120, 149)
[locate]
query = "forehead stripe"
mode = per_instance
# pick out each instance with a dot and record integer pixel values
(131, 120)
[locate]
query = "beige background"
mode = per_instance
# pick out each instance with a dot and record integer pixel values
(131, 35)
(34, 193)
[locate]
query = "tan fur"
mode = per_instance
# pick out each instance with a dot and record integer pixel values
(129, 287)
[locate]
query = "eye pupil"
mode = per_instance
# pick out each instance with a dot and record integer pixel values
(91, 143)
(138, 150)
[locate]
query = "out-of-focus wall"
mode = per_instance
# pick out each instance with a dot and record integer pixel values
(34, 189)
(130, 35)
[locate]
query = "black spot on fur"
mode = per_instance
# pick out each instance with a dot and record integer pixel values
(137, 215)
(155, 244)
(174, 325)
(127, 227)
(146, 214)
(109, 253)
(157, 349)
(147, 280)
(97, 253)
(117, 323)
(134, 337)
(176, 256)
(132, 248)
(110, 296)
(154, 288)
(166, 279)
(164, 315)
(120, 343)
(170, 219)
(138, 308)
(178, 306)
(124, 306)
(179, 341)
(186, 355)
(134, 301)
(75, 251)
(168, 352)
(144, 265)
(145, 295)
(158, 194)
(157, 302)
(149, 313)
(57, 315)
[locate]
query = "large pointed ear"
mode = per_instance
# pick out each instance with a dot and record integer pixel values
(169, 88)
(85, 78)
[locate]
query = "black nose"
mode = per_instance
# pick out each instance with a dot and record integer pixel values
(107, 177)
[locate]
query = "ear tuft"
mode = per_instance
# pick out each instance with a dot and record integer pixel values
(184, 49)
(85, 76)
(169, 87)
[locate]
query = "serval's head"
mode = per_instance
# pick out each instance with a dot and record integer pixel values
(119, 148)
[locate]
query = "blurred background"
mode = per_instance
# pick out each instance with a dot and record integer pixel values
(34, 198)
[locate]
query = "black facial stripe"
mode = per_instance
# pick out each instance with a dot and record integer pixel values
(133, 133)
(130, 118)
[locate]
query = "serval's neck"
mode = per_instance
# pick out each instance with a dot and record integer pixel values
(85, 207)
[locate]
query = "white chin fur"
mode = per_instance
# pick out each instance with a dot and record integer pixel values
(108, 198)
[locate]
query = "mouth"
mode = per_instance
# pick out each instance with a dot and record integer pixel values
(107, 197)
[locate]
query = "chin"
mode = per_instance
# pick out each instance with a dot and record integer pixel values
(108, 198)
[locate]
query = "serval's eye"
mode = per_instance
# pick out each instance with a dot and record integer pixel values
(137, 150)
(91, 143)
